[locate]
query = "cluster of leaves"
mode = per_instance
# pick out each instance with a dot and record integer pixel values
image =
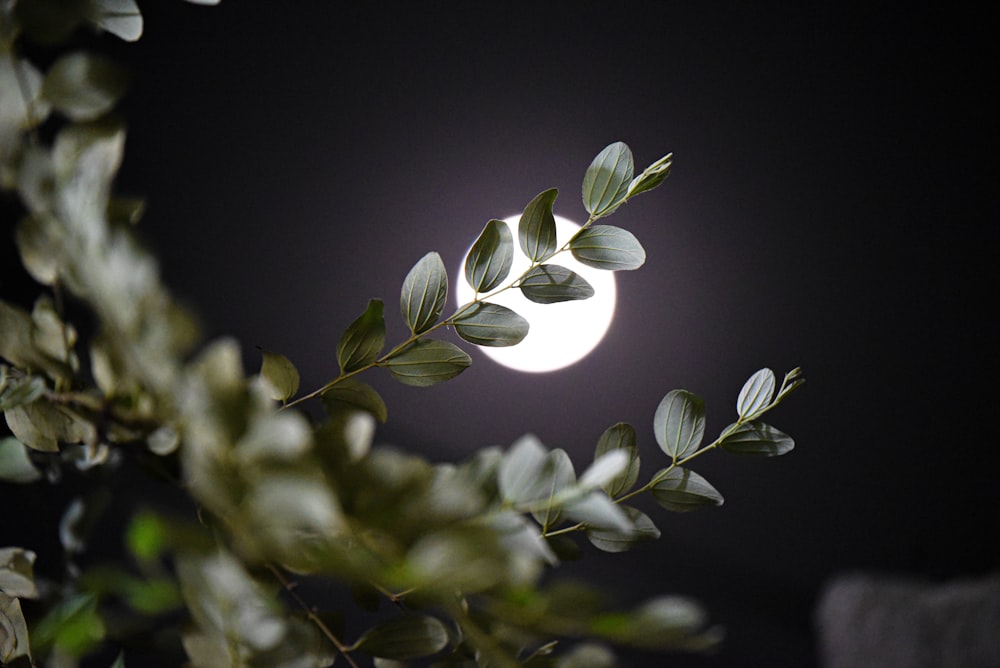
(458, 549)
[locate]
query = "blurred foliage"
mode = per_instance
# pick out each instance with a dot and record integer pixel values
(460, 550)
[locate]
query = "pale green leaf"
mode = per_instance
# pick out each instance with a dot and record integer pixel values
(121, 18)
(428, 362)
(280, 374)
(490, 258)
(42, 425)
(424, 293)
(120, 661)
(613, 540)
(756, 394)
(363, 341)
(20, 391)
(682, 490)
(13, 631)
(519, 476)
(16, 575)
(358, 394)
(486, 324)
(73, 625)
(556, 476)
(605, 469)
(757, 438)
(652, 176)
(597, 510)
(84, 85)
(551, 283)
(15, 464)
(620, 437)
(679, 423)
(409, 636)
(587, 655)
(606, 182)
(536, 231)
(607, 247)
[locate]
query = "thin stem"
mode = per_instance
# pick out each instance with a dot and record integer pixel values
(311, 614)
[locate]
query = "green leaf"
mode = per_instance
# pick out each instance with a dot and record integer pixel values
(519, 477)
(605, 184)
(679, 423)
(556, 475)
(551, 283)
(409, 636)
(21, 391)
(15, 464)
(428, 362)
(607, 247)
(682, 490)
(536, 231)
(597, 510)
(652, 176)
(121, 18)
(587, 655)
(605, 469)
(363, 340)
(73, 626)
(756, 394)
(614, 540)
(281, 375)
(486, 324)
(620, 437)
(358, 394)
(84, 86)
(424, 293)
(147, 536)
(16, 575)
(13, 631)
(42, 425)
(757, 438)
(490, 258)
(120, 661)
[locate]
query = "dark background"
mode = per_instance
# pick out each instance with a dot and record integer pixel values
(828, 209)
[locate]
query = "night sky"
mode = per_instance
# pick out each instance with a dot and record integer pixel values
(827, 209)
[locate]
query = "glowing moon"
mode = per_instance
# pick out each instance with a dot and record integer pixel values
(561, 333)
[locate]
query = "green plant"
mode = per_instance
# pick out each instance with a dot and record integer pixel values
(459, 550)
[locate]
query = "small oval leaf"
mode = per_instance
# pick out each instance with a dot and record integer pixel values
(607, 247)
(15, 463)
(757, 438)
(363, 340)
(428, 362)
(682, 490)
(491, 257)
(652, 176)
(409, 636)
(620, 437)
(606, 182)
(551, 283)
(84, 86)
(121, 18)
(281, 375)
(357, 394)
(520, 472)
(756, 394)
(679, 423)
(613, 540)
(486, 324)
(536, 231)
(424, 293)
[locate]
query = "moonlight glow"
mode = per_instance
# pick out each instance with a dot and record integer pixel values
(562, 333)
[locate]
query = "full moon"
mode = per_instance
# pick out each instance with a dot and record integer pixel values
(560, 334)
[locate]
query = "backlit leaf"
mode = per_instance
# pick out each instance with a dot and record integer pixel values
(679, 423)
(756, 394)
(556, 475)
(281, 375)
(551, 283)
(597, 510)
(605, 184)
(490, 258)
(16, 575)
(536, 231)
(607, 247)
(83, 85)
(757, 438)
(682, 490)
(615, 540)
(424, 293)
(15, 464)
(358, 394)
(409, 636)
(486, 324)
(620, 437)
(121, 18)
(605, 469)
(519, 477)
(363, 340)
(428, 362)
